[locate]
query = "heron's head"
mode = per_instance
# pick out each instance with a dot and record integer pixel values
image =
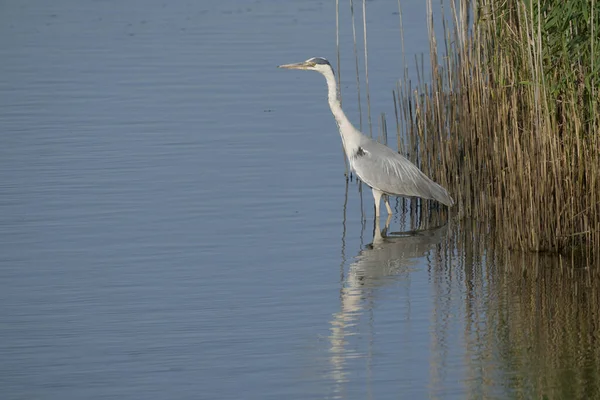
(314, 64)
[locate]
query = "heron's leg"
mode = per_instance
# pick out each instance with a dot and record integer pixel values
(386, 227)
(387, 204)
(377, 196)
(387, 223)
(377, 234)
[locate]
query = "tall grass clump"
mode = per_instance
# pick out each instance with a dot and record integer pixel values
(508, 119)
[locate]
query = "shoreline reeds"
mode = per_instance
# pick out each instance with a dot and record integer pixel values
(508, 121)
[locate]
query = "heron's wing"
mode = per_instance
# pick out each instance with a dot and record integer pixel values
(384, 169)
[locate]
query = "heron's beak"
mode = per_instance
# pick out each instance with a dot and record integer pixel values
(301, 65)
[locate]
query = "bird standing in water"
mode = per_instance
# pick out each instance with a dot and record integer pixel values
(383, 169)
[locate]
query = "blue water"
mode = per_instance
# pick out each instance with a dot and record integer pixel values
(175, 221)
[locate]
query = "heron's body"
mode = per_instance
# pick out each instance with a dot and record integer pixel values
(377, 165)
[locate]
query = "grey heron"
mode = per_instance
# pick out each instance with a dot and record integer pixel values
(383, 169)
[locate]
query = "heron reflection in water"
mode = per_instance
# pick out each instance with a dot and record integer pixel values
(388, 258)
(390, 255)
(380, 167)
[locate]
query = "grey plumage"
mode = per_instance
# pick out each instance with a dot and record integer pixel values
(381, 167)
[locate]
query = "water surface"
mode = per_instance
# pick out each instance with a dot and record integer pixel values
(175, 223)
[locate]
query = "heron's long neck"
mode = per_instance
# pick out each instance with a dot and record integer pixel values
(350, 136)
(334, 100)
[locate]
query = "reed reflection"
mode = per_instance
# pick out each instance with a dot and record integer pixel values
(532, 330)
(491, 322)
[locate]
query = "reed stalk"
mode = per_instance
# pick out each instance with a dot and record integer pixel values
(356, 64)
(339, 73)
(364, 11)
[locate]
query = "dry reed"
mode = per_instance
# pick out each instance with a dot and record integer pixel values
(516, 142)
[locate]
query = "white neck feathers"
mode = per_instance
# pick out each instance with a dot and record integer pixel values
(334, 100)
(350, 136)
